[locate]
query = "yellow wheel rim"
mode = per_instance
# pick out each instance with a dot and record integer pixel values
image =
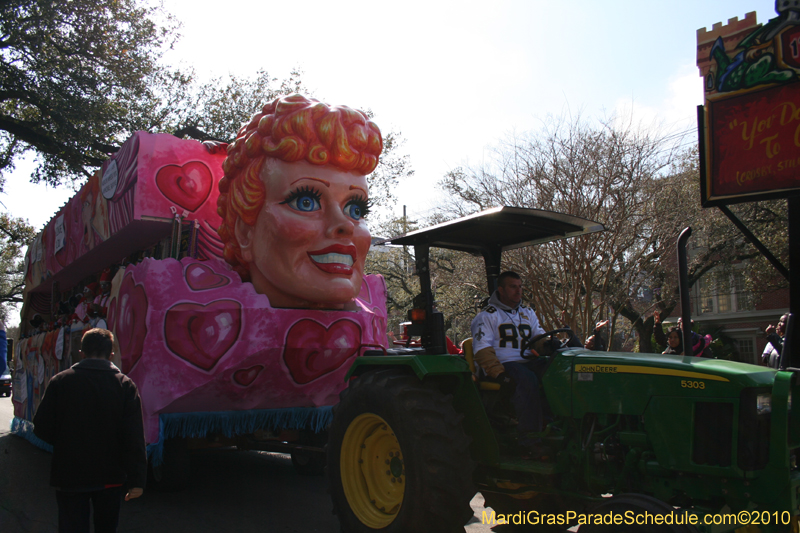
(372, 471)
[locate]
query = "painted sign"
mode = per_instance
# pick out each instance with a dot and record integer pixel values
(756, 143)
(750, 124)
(61, 236)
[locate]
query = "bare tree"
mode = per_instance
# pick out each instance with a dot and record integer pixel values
(608, 173)
(640, 184)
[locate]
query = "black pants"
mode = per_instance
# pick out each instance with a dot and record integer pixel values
(527, 398)
(73, 510)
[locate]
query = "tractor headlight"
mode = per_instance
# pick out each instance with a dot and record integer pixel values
(763, 404)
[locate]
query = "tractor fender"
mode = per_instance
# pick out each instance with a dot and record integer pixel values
(453, 376)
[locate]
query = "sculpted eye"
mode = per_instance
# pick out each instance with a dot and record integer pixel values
(353, 211)
(357, 208)
(304, 199)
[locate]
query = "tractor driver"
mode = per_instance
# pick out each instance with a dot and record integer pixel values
(497, 333)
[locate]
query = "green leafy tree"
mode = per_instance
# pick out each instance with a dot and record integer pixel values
(78, 78)
(71, 75)
(218, 108)
(15, 235)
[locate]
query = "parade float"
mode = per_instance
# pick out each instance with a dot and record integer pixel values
(237, 296)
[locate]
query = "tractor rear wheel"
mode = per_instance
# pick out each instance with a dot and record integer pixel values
(398, 458)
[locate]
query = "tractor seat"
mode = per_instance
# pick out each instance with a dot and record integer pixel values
(469, 356)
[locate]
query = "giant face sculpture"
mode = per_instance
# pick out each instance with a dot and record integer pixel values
(308, 244)
(293, 200)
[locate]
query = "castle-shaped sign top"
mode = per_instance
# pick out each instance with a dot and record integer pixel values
(743, 55)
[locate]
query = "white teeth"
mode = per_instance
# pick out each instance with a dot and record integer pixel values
(334, 258)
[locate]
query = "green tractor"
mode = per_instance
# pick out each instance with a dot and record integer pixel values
(637, 442)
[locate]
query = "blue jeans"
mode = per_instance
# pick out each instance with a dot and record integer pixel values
(527, 398)
(73, 510)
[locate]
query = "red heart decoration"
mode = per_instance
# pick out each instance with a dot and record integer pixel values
(246, 376)
(129, 320)
(202, 334)
(312, 350)
(188, 185)
(201, 278)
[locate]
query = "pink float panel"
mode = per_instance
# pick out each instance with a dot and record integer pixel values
(152, 177)
(195, 338)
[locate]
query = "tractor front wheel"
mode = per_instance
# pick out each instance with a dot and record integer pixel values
(398, 458)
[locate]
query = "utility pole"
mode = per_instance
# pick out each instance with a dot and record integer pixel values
(405, 248)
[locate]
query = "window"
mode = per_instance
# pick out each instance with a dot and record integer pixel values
(746, 350)
(722, 292)
(706, 297)
(744, 298)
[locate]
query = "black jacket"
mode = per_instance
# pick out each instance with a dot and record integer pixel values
(92, 415)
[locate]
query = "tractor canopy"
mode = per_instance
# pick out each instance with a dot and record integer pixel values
(503, 228)
(494, 231)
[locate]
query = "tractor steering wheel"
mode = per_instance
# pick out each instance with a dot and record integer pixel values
(530, 342)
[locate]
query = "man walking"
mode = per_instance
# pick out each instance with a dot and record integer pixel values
(92, 415)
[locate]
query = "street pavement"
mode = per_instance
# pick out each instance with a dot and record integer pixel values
(231, 491)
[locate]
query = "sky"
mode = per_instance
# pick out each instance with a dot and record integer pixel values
(453, 77)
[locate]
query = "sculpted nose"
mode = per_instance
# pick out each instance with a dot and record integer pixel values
(339, 225)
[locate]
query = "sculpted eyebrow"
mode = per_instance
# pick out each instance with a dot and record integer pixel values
(324, 182)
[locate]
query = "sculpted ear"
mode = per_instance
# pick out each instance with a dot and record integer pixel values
(244, 236)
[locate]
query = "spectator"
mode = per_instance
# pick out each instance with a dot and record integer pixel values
(3, 348)
(700, 343)
(775, 335)
(674, 341)
(596, 341)
(92, 415)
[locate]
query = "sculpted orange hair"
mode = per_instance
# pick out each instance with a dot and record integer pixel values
(92, 187)
(291, 128)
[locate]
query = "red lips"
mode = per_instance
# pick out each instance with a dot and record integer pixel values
(335, 268)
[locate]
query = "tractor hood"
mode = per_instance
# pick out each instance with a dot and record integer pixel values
(582, 381)
(673, 366)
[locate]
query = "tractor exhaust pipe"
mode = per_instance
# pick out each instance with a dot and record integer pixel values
(683, 280)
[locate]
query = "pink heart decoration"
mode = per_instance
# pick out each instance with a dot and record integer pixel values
(202, 334)
(365, 294)
(129, 321)
(378, 333)
(201, 278)
(246, 376)
(312, 350)
(188, 185)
